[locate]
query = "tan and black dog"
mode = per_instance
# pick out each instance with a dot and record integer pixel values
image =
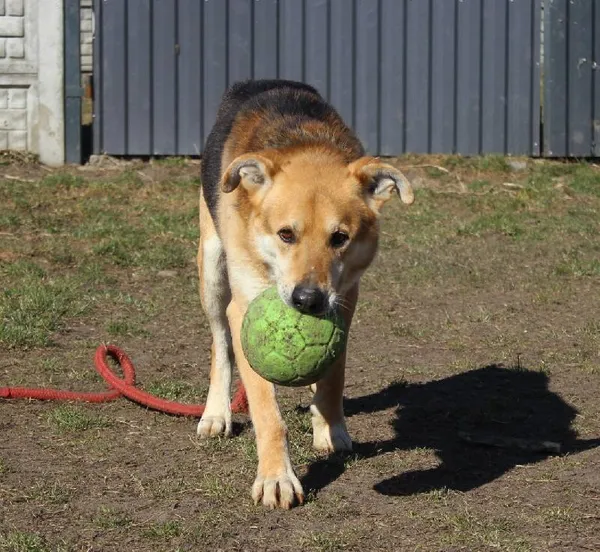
(288, 199)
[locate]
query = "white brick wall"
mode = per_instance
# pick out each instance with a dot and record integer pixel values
(31, 78)
(87, 30)
(13, 99)
(15, 7)
(11, 25)
(12, 29)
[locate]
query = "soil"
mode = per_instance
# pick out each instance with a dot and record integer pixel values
(471, 335)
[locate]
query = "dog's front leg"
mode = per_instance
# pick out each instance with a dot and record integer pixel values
(327, 409)
(329, 428)
(276, 484)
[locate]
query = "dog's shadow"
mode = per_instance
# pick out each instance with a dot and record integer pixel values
(496, 402)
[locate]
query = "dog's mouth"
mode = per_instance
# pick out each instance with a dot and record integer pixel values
(310, 300)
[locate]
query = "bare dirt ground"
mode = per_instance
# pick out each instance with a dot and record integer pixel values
(480, 320)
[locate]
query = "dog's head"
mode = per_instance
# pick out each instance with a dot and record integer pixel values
(313, 219)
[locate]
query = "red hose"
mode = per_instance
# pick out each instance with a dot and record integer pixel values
(120, 387)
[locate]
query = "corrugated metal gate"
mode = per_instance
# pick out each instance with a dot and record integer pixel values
(447, 76)
(572, 78)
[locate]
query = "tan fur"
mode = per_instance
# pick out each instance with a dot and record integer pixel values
(313, 189)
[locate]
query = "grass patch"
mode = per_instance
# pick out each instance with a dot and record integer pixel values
(585, 180)
(164, 531)
(126, 327)
(472, 530)
(171, 161)
(121, 250)
(22, 268)
(182, 225)
(324, 542)
(488, 163)
(61, 181)
(299, 425)
(506, 224)
(187, 183)
(435, 172)
(32, 309)
(110, 518)
(560, 515)
(23, 542)
(102, 223)
(479, 185)
(554, 169)
(9, 221)
(167, 255)
(407, 329)
(577, 263)
(135, 247)
(174, 390)
(44, 493)
(129, 179)
(94, 273)
(75, 419)
(217, 488)
(169, 485)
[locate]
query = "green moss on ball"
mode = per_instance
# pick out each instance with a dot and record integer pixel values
(287, 347)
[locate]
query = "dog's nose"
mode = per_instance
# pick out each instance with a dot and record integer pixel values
(309, 300)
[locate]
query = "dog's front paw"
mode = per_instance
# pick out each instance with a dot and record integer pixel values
(279, 491)
(330, 438)
(214, 426)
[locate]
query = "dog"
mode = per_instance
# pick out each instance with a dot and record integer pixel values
(288, 198)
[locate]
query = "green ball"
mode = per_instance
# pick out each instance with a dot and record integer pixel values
(287, 347)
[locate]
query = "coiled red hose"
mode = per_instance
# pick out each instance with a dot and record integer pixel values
(120, 387)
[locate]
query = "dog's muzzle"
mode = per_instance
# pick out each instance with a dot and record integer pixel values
(310, 300)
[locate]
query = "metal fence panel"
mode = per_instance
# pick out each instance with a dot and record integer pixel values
(291, 39)
(266, 36)
(240, 40)
(216, 59)
(393, 40)
(596, 83)
(468, 77)
(572, 78)
(73, 91)
(139, 83)
(523, 74)
(418, 76)
(494, 76)
(189, 68)
(111, 82)
(443, 76)
(316, 55)
(366, 82)
(342, 46)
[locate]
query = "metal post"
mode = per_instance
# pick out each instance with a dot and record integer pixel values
(73, 89)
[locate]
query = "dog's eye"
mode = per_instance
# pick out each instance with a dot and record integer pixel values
(287, 235)
(338, 239)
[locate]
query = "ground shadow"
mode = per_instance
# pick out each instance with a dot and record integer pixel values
(495, 401)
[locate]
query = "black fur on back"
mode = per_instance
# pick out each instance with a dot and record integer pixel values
(285, 105)
(232, 102)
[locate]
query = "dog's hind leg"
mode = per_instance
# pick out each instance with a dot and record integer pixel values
(215, 295)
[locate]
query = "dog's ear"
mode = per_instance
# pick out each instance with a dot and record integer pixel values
(379, 181)
(252, 171)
